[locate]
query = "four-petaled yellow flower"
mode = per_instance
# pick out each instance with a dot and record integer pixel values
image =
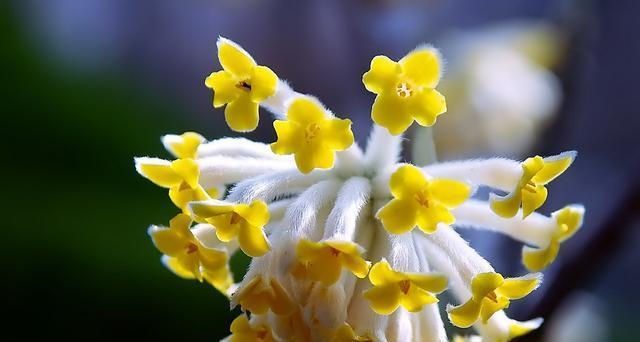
(569, 220)
(405, 90)
(490, 294)
(311, 135)
(188, 255)
(323, 261)
(392, 289)
(242, 85)
(243, 331)
(259, 296)
(181, 177)
(530, 192)
(242, 221)
(346, 334)
(420, 201)
(184, 145)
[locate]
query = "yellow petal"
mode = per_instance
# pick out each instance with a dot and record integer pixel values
(382, 76)
(484, 283)
(535, 259)
(338, 136)
(255, 296)
(429, 218)
(426, 106)
(256, 214)
(289, 134)
(516, 288)
(182, 196)
(325, 269)
(168, 241)
(450, 193)
(211, 258)
(219, 278)
(311, 157)
(181, 223)
(532, 200)
(188, 170)
(416, 298)
(263, 83)
(225, 231)
(191, 262)
(211, 208)
(356, 264)
(384, 299)
(398, 216)
(381, 274)
(432, 282)
(252, 240)
(158, 171)
(282, 304)
(240, 325)
(304, 110)
(490, 307)
(569, 220)
(506, 206)
(183, 146)
(517, 329)
(234, 59)
(553, 167)
(174, 266)
(390, 112)
(308, 250)
(422, 66)
(464, 315)
(242, 114)
(224, 88)
(406, 181)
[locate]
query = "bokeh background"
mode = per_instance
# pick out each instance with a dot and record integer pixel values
(88, 84)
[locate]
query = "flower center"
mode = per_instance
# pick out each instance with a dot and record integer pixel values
(404, 285)
(492, 296)
(311, 131)
(261, 334)
(234, 219)
(404, 90)
(530, 187)
(244, 85)
(422, 199)
(334, 252)
(191, 248)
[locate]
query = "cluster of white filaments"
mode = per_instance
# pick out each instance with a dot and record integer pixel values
(348, 243)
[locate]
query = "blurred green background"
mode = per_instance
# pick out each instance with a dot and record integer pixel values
(88, 85)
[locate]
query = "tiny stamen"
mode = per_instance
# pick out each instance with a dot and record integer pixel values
(404, 285)
(404, 90)
(492, 296)
(191, 248)
(311, 131)
(244, 85)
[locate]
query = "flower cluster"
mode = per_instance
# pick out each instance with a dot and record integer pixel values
(330, 226)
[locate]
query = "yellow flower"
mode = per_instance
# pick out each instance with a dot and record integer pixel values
(258, 296)
(419, 201)
(323, 261)
(242, 85)
(220, 278)
(405, 90)
(242, 221)
(569, 220)
(183, 146)
(188, 255)
(311, 135)
(346, 334)
(181, 177)
(530, 192)
(490, 294)
(392, 289)
(243, 331)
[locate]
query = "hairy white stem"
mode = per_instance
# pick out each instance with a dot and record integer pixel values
(238, 147)
(227, 170)
(273, 185)
(341, 223)
(467, 261)
(277, 104)
(499, 173)
(349, 162)
(383, 149)
(536, 229)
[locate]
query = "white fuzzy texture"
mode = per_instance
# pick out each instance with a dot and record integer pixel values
(383, 150)
(237, 147)
(536, 229)
(349, 162)
(269, 186)
(341, 223)
(217, 170)
(277, 103)
(498, 173)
